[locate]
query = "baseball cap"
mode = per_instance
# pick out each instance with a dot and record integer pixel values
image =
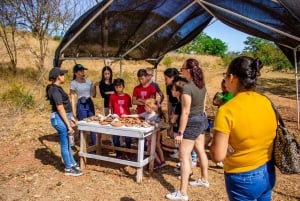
(78, 67)
(55, 72)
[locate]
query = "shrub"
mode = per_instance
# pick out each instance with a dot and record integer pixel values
(167, 61)
(17, 96)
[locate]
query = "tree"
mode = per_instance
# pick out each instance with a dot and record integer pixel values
(8, 25)
(42, 18)
(267, 51)
(204, 44)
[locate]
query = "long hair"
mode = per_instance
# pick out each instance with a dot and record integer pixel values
(102, 74)
(196, 72)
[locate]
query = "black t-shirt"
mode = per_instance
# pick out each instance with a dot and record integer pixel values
(172, 99)
(105, 88)
(177, 112)
(57, 96)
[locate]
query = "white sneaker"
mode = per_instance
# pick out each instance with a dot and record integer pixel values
(177, 196)
(220, 164)
(178, 164)
(199, 182)
(175, 154)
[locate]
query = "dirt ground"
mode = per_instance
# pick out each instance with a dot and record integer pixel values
(31, 167)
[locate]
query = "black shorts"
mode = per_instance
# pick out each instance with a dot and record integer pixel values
(196, 125)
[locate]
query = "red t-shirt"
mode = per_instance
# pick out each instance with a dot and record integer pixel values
(141, 92)
(120, 104)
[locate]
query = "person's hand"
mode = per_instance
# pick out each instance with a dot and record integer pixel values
(70, 130)
(178, 139)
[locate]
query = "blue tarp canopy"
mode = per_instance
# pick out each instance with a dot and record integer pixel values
(147, 30)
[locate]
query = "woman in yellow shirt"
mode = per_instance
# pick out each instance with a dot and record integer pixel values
(244, 130)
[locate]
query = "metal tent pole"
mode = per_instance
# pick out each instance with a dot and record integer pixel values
(297, 82)
(121, 68)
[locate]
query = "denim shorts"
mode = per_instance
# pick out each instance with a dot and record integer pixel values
(196, 125)
(256, 184)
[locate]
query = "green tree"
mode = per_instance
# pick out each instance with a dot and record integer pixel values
(267, 51)
(204, 44)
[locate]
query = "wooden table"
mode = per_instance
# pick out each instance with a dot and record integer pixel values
(135, 132)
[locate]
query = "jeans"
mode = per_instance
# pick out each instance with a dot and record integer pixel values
(116, 141)
(84, 111)
(65, 148)
(252, 185)
(194, 156)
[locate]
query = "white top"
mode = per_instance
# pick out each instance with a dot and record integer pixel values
(82, 89)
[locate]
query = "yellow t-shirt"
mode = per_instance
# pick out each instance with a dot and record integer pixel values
(250, 122)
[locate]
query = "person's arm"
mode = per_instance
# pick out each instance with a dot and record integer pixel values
(186, 101)
(94, 89)
(63, 115)
(219, 146)
(110, 110)
(131, 115)
(174, 118)
(136, 101)
(162, 97)
(73, 96)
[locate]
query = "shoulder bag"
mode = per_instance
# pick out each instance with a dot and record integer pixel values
(285, 149)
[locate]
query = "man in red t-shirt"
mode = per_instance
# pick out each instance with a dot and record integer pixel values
(143, 91)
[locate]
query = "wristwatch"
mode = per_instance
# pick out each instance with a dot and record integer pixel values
(180, 133)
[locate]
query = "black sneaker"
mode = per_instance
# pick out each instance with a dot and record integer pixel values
(73, 172)
(76, 166)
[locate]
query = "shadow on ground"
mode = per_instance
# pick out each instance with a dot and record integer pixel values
(282, 87)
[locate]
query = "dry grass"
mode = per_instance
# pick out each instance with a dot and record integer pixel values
(31, 167)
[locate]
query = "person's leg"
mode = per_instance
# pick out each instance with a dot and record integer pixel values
(200, 149)
(128, 142)
(65, 148)
(90, 113)
(83, 112)
(185, 150)
(116, 142)
(270, 178)
(252, 185)
(159, 150)
(72, 160)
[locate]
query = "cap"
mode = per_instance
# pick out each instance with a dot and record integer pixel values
(55, 72)
(78, 67)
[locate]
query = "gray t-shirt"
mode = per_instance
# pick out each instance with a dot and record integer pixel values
(82, 89)
(197, 96)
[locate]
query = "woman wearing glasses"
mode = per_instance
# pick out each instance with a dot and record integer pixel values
(193, 123)
(244, 130)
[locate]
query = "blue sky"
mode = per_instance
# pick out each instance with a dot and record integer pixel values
(234, 39)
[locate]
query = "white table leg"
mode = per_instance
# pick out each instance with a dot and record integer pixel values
(140, 158)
